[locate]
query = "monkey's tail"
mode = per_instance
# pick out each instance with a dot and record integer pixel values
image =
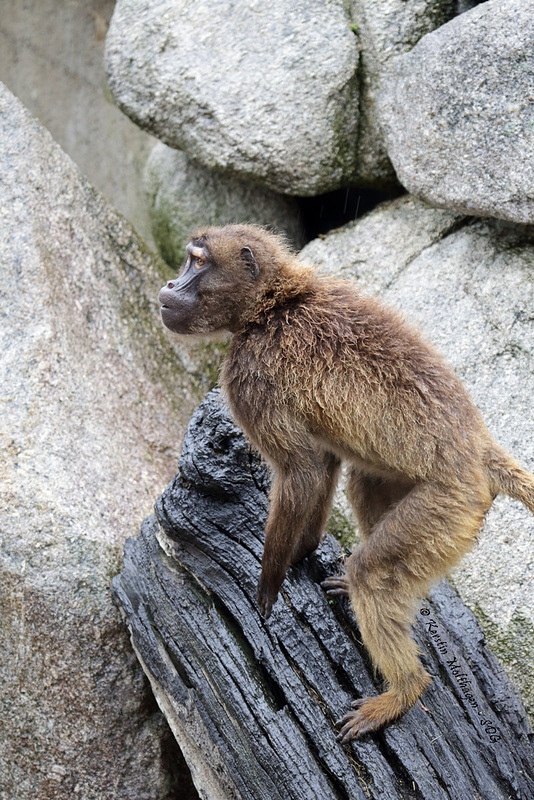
(508, 477)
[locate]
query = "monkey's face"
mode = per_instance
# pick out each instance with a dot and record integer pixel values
(180, 298)
(211, 291)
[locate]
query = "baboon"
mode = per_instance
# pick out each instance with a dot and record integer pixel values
(318, 372)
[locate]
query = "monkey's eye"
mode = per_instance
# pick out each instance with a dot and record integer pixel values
(199, 263)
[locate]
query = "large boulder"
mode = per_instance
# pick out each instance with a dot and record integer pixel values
(268, 90)
(385, 31)
(458, 117)
(469, 285)
(183, 196)
(94, 399)
(52, 59)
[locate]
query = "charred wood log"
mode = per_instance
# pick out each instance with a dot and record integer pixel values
(253, 704)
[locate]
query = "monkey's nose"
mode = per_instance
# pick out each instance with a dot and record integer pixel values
(165, 293)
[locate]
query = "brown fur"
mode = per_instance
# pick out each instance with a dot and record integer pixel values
(318, 373)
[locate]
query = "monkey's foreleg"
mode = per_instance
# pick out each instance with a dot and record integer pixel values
(300, 499)
(320, 506)
(415, 543)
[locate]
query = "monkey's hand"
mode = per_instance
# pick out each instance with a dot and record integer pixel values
(266, 597)
(336, 585)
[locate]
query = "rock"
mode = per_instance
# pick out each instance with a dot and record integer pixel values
(184, 196)
(253, 704)
(267, 91)
(468, 285)
(385, 30)
(93, 401)
(375, 248)
(457, 113)
(58, 72)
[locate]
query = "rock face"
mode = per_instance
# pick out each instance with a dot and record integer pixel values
(469, 285)
(267, 90)
(253, 704)
(58, 72)
(457, 112)
(283, 93)
(385, 31)
(89, 432)
(184, 195)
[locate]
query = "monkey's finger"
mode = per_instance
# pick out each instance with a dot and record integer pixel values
(265, 605)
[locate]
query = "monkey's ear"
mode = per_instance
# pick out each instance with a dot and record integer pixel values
(250, 262)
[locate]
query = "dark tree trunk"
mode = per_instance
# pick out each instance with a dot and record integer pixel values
(253, 704)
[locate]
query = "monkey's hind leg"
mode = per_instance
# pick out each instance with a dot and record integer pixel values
(415, 543)
(371, 498)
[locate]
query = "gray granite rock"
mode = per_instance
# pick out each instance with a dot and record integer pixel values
(267, 90)
(386, 30)
(52, 59)
(93, 401)
(457, 113)
(183, 196)
(469, 285)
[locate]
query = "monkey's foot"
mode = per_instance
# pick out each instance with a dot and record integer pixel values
(371, 714)
(336, 585)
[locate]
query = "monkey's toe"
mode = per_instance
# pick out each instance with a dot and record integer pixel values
(336, 585)
(354, 725)
(371, 714)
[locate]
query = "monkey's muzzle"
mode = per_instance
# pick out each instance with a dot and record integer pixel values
(178, 303)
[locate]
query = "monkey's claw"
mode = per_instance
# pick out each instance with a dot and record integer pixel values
(336, 585)
(357, 723)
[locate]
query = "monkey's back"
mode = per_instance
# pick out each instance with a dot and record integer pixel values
(343, 369)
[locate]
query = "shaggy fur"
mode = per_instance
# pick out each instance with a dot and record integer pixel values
(317, 373)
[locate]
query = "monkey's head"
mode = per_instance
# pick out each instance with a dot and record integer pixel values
(226, 271)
